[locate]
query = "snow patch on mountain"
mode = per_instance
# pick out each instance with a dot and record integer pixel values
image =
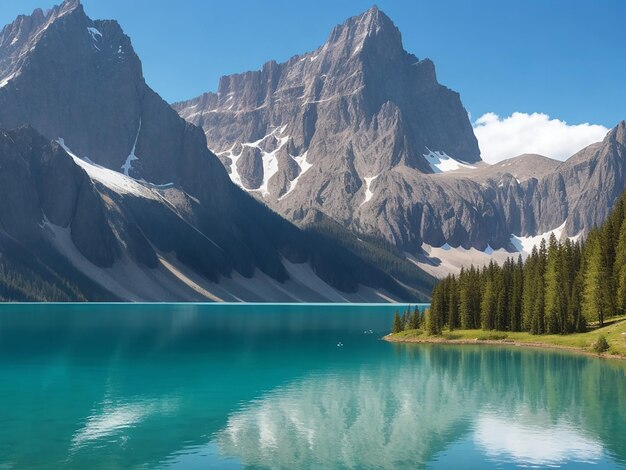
(368, 185)
(6, 80)
(270, 161)
(270, 166)
(111, 179)
(234, 172)
(443, 260)
(441, 162)
(95, 34)
(127, 166)
(525, 244)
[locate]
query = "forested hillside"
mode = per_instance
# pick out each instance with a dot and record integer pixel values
(42, 276)
(558, 289)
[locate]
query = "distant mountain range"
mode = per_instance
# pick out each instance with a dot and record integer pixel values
(111, 181)
(109, 194)
(361, 131)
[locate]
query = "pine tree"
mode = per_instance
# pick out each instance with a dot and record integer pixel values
(465, 306)
(405, 317)
(500, 307)
(434, 318)
(397, 324)
(579, 322)
(530, 268)
(476, 296)
(431, 323)
(593, 303)
(488, 304)
(619, 271)
(414, 320)
(453, 303)
(515, 304)
(554, 289)
(539, 293)
(608, 243)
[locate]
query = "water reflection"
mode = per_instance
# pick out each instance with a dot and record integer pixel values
(373, 418)
(535, 441)
(263, 386)
(113, 419)
(406, 413)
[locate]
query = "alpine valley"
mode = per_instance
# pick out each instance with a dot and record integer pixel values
(346, 174)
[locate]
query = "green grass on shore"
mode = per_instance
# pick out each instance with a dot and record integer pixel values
(614, 331)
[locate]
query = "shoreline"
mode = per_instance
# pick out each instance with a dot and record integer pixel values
(391, 338)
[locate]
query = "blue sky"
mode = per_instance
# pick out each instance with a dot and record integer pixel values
(563, 58)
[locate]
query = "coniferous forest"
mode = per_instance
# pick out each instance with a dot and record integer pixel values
(560, 288)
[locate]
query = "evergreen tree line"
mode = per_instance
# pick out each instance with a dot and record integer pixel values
(558, 289)
(411, 319)
(19, 284)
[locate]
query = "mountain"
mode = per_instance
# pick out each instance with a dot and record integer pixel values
(109, 179)
(529, 197)
(360, 132)
(40, 185)
(316, 130)
(354, 130)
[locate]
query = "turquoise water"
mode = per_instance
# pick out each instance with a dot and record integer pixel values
(231, 386)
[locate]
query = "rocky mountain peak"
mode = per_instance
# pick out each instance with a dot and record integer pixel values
(78, 79)
(21, 39)
(70, 5)
(371, 27)
(114, 174)
(325, 130)
(618, 133)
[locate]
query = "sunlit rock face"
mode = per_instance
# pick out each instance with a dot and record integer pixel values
(308, 134)
(163, 194)
(361, 131)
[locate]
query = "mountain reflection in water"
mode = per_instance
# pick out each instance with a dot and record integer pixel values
(267, 386)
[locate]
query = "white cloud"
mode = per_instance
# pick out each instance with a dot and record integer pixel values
(501, 138)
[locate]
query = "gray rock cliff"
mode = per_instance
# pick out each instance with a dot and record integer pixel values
(361, 131)
(151, 211)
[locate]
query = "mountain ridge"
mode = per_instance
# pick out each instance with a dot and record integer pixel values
(180, 230)
(356, 142)
(314, 134)
(331, 131)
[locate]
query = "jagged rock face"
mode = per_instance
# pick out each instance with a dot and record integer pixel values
(525, 196)
(353, 122)
(40, 183)
(116, 231)
(74, 78)
(368, 137)
(120, 181)
(357, 106)
(596, 177)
